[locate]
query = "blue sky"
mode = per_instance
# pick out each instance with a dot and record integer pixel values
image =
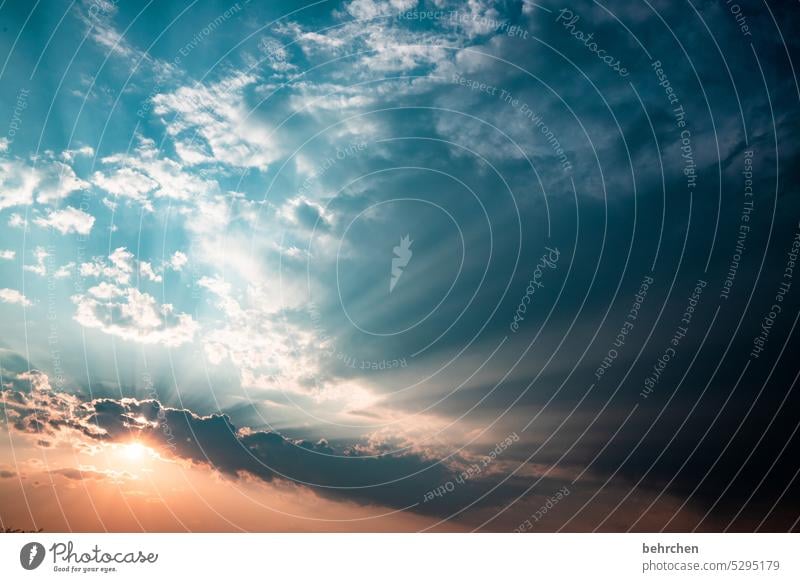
(204, 205)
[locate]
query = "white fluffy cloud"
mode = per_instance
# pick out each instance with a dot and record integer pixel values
(115, 307)
(14, 296)
(125, 182)
(39, 268)
(8, 255)
(22, 184)
(67, 221)
(64, 271)
(133, 315)
(146, 271)
(118, 268)
(178, 261)
(69, 155)
(17, 183)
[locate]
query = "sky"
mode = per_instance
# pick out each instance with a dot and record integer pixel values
(404, 265)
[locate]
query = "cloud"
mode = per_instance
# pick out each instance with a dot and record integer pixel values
(98, 17)
(8, 255)
(82, 473)
(16, 221)
(146, 271)
(58, 181)
(69, 155)
(64, 271)
(69, 220)
(275, 54)
(269, 352)
(39, 268)
(366, 473)
(215, 442)
(17, 184)
(143, 175)
(208, 216)
(307, 214)
(14, 297)
(133, 315)
(115, 307)
(177, 261)
(374, 43)
(118, 267)
(36, 408)
(125, 182)
(363, 9)
(222, 127)
(21, 184)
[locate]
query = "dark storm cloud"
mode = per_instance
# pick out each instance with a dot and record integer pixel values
(396, 480)
(622, 228)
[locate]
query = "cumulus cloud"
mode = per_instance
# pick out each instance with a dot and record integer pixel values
(39, 268)
(16, 221)
(8, 255)
(34, 407)
(146, 271)
(84, 151)
(58, 181)
(177, 261)
(22, 183)
(133, 315)
(15, 297)
(118, 267)
(115, 307)
(17, 184)
(68, 220)
(125, 182)
(64, 271)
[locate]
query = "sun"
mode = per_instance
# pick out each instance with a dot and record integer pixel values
(134, 451)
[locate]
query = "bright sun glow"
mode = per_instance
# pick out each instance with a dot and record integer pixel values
(134, 451)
